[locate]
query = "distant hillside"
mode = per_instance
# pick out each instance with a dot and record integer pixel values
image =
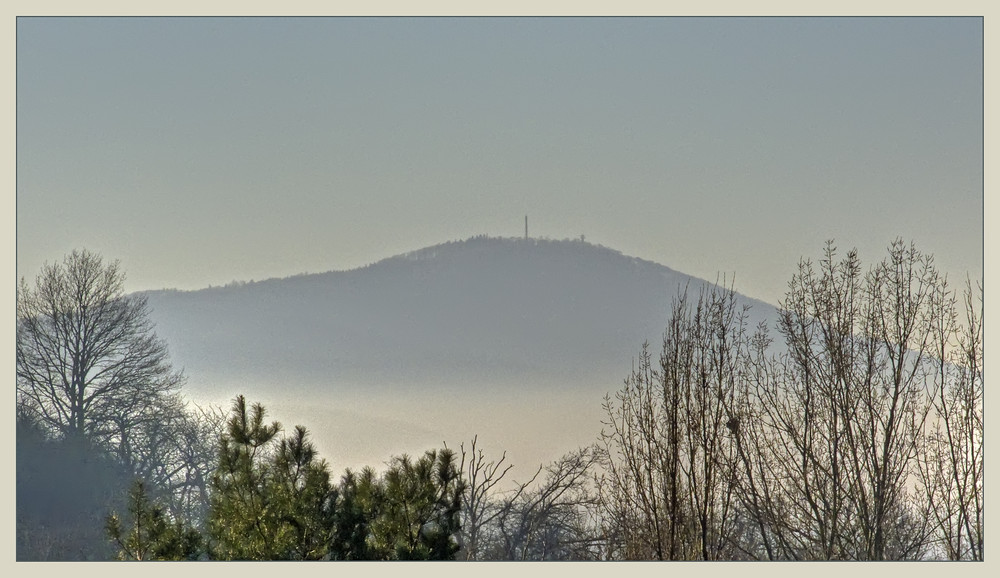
(484, 310)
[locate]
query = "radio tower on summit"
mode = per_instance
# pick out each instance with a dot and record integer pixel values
(526, 226)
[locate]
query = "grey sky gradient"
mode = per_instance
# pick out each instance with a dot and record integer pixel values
(200, 151)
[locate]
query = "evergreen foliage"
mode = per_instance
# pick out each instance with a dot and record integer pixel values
(352, 520)
(271, 499)
(149, 533)
(416, 506)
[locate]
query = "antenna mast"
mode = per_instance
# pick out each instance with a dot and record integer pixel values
(526, 226)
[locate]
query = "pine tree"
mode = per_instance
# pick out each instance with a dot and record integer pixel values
(150, 534)
(306, 500)
(357, 507)
(420, 506)
(271, 500)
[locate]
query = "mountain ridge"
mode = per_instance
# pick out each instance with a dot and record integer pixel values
(484, 309)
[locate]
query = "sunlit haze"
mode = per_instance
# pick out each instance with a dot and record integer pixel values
(416, 236)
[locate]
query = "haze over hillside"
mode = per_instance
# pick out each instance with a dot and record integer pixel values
(479, 310)
(495, 337)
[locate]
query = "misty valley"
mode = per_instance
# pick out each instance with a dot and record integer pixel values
(503, 399)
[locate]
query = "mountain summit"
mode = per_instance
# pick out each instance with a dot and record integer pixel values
(484, 310)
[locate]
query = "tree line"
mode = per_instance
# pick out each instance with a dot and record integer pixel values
(851, 430)
(859, 438)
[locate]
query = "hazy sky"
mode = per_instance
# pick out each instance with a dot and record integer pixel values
(200, 151)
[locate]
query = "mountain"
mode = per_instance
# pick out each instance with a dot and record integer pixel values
(562, 314)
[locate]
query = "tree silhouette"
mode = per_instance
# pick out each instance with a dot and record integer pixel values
(88, 363)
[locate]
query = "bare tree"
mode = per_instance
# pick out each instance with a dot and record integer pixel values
(668, 491)
(950, 467)
(175, 451)
(88, 362)
(839, 416)
(555, 520)
(552, 518)
(792, 441)
(479, 506)
(860, 439)
(640, 493)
